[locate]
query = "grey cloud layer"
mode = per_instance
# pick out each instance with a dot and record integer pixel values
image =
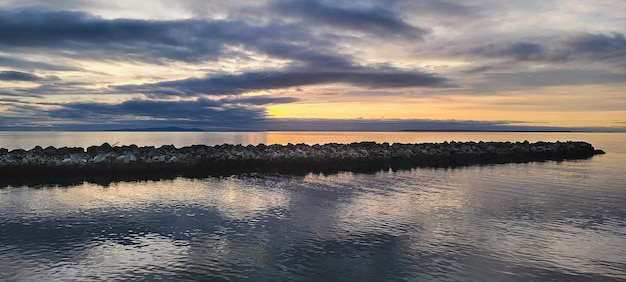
(188, 40)
(18, 76)
(291, 44)
(376, 20)
(225, 112)
(312, 61)
(202, 109)
(237, 84)
(86, 35)
(587, 47)
(26, 65)
(576, 59)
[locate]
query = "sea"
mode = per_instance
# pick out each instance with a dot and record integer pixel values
(538, 221)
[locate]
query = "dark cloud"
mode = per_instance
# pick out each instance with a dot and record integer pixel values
(312, 60)
(479, 69)
(32, 28)
(523, 51)
(201, 109)
(508, 80)
(237, 84)
(278, 45)
(52, 85)
(520, 51)
(81, 35)
(447, 9)
(376, 20)
(600, 47)
(10, 100)
(610, 49)
(18, 113)
(239, 112)
(580, 59)
(599, 43)
(18, 76)
(53, 5)
(186, 40)
(307, 56)
(22, 64)
(227, 112)
(261, 100)
(443, 12)
(153, 40)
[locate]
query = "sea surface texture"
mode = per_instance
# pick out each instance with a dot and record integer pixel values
(538, 221)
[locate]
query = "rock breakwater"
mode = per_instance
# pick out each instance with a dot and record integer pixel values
(200, 160)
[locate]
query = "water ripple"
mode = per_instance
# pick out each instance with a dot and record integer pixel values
(519, 222)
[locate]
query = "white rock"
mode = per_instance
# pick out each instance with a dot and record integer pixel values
(123, 159)
(99, 158)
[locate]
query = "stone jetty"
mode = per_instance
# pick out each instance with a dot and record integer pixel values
(133, 162)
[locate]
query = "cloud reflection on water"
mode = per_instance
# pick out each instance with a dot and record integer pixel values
(507, 221)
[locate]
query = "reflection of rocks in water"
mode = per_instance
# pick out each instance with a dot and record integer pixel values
(106, 163)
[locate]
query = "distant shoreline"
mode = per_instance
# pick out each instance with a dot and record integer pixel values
(169, 129)
(504, 131)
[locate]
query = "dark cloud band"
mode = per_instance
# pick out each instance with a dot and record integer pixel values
(237, 84)
(18, 76)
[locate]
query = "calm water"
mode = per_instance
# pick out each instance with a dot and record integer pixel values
(516, 222)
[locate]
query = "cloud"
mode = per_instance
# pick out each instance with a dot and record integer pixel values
(16, 63)
(610, 48)
(22, 114)
(232, 113)
(587, 47)
(312, 59)
(444, 13)
(577, 59)
(373, 20)
(522, 51)
(554, 77)
(241, 113)
(447, 9)
(254, 81)
(192, 50)
(201, 109)
(498, 80)
(81, 35)
(396, 125)
(148, 40)
(224, 113)
(51, 5)
(18, 76)
(481, 69)
(261, 100)
(9, 100)
(311, 55)
(599, 43)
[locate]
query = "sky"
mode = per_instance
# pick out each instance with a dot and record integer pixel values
(313, 65)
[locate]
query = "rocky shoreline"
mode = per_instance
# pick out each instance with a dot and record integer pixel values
(132, 162)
